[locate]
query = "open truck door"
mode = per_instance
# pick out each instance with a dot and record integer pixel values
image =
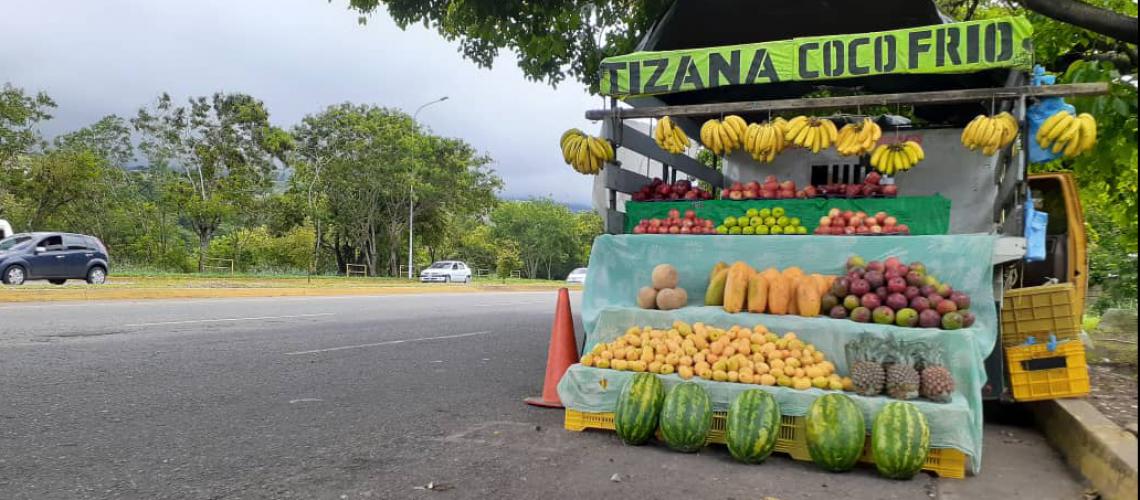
(1066, 257)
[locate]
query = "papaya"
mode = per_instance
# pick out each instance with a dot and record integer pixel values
(821, 284)
(716, 269)
(757, 293)
(793, 272)
(736, 287)
(778, 292)
(714, 296)
(793, 285)
(808, 297)
(770, 274)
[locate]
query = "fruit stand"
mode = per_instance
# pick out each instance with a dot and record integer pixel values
(693, 330)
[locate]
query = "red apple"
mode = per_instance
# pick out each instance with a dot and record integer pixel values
(896, 285)
(801, 194)
(837, 230)
(674, 230)
(736, 195)
(876, 229)
(755, 186)
(639, 229)
(736, 186)
(654, 222)
(902, 228)
(848, 214)
(890, 221)
(771, 178)
(872, 178)
(687, 223)
(833, 213)
(862, 230)
(690, 214)
(767, 194)
(848, 230)
(811, 191)
(750, 194)
(786, 195)
(825, 221)
(686, 230)
(788, 186)
(770, 185)
(890, 190)
(889, 229)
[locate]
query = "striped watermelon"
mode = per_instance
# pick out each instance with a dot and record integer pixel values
(835, 432)
(753, 426)
(686, 417)
(900, 440)
(638, 405)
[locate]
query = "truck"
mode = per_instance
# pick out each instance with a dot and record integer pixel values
(987, 194)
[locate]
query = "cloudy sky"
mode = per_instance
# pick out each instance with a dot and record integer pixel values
(113, 56)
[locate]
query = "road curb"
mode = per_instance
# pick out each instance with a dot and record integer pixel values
(103, 293)
(1094, 446)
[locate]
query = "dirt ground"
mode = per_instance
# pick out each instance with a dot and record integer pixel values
(1112, 369)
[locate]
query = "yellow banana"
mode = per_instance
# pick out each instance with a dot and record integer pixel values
(596, 148)
(911, 156)
(795, 127)
(1073, 146)
(1071, 132)
(1048, 126)
(1063, 125)
(1088, 131)
(737, 123)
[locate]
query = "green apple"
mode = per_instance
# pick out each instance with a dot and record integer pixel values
(762, 230)
(734, 230)
(793, 221)
(752, 212)
(756, 221)
(782, 221)
(769, 221)
(748, 230)
(722, 229)
(776, 230)
(801, 230)
(765, 213)
(778, 212)
(730, 221)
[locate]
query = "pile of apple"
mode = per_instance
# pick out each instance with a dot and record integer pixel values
(675, 224)
(762, 222)
(839, 223)
(659, 190)
(869, 188)
(890, 292)
(771, 189)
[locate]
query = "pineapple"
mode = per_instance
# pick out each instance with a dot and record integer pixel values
(937, 383)
(902, 379)
(867, 374)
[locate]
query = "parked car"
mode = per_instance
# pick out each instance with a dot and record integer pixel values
(446, 271)
(56, 257)
(577, 276)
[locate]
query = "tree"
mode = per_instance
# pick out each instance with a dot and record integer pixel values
(546, 233)
(507, 260)
(362, 163)
(223, 149)
(20, 113)
(557, 39)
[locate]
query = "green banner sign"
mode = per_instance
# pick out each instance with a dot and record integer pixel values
(944, 48)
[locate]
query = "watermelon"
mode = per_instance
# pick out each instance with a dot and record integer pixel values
(835, 432)
(686, 417)
(900, 440)
(753, 426)
(638, 406)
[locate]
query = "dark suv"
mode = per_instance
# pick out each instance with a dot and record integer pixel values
(56, 257)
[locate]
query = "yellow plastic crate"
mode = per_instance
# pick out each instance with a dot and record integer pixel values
(1039, 311)
(1037, 374)
(945, 462)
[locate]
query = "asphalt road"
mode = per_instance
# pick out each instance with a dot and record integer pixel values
(363, 397)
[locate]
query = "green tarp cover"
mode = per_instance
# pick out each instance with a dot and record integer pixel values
(964, 47)
(923, 214)
(620, 265)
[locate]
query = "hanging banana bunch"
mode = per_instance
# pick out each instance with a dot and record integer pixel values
(990, 133)
(723, 136)
(763, 141)
(586, 154)
(816, 134)
(858, 139)
(1066, 133)
(670, 137)
(890, 159)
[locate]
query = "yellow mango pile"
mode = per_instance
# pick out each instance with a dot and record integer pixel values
(738, 354)
(739, 287)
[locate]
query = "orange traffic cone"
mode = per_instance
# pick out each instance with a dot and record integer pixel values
(563, 352)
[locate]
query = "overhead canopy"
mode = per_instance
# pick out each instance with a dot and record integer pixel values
(716, 26)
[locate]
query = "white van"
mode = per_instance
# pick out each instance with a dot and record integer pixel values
(5, 229)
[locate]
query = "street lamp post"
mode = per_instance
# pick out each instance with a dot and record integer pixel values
(412, 195)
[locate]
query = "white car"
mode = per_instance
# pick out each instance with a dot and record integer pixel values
(446, 271)
(577, 276)
(5, 229)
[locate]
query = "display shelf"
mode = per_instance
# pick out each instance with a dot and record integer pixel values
(925, 215)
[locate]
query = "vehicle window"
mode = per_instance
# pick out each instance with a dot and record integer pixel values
(93, 243)
(455, 266)
(13, 242)
(76, 243)
(52, 243)
(439, 265)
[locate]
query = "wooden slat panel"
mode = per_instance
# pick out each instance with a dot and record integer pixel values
(614, 221)
(622, 180)
(923, 98)
(643, 144)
